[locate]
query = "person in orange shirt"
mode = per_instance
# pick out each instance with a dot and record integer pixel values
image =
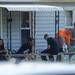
(66, 35)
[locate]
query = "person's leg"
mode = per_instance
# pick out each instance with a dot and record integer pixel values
(53, 52)
(51, 58)
(50, 52)
(43, 57)
(58, 58)
(60, 55)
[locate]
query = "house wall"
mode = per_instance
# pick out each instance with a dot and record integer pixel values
(45, 23)
(15, 29)
(4, 27)
(16, 37)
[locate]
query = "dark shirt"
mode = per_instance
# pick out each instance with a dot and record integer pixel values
(59, 41)
(2, 49)
(2, 46)
(53, 44)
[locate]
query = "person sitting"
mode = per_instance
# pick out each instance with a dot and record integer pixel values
(26, 46)
(1, 44)
(52, 47)
(3, 52)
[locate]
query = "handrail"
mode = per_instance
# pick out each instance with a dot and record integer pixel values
(35, 55)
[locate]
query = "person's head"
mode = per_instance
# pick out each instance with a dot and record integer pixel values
(45, 36)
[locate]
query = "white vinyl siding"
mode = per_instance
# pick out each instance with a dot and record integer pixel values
(15, 29)
(62, 21)
(4, 25)
(16, 41)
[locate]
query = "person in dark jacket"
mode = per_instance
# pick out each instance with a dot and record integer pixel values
(52, 47)
(3, 52)
(26, 46)
(1, 45)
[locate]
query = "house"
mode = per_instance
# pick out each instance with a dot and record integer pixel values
(18, 24)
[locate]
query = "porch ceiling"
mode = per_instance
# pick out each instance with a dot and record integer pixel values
(31, 7)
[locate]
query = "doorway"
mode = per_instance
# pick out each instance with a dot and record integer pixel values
(26, 26)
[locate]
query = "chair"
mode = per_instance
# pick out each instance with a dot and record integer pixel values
(4, 54)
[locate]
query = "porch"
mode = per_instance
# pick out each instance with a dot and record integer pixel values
(18, 26)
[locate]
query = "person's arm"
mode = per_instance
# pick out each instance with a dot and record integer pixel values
(48, 46)
(48, 43)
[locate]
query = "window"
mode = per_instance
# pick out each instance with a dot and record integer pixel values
(25, 19)
(69, 18)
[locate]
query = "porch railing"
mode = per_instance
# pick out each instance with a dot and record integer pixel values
(37, 56)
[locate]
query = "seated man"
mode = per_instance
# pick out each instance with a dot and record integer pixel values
(25, 47)
(1, 45)
(2, 50)
(52, 47)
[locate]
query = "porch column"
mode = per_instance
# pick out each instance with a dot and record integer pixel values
(56, 22)
(1, 25)
(34, 28)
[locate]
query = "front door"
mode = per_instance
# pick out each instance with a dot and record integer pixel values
(25, 26)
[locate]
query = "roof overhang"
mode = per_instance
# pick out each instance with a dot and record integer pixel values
(37, 1)
(27, 7)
